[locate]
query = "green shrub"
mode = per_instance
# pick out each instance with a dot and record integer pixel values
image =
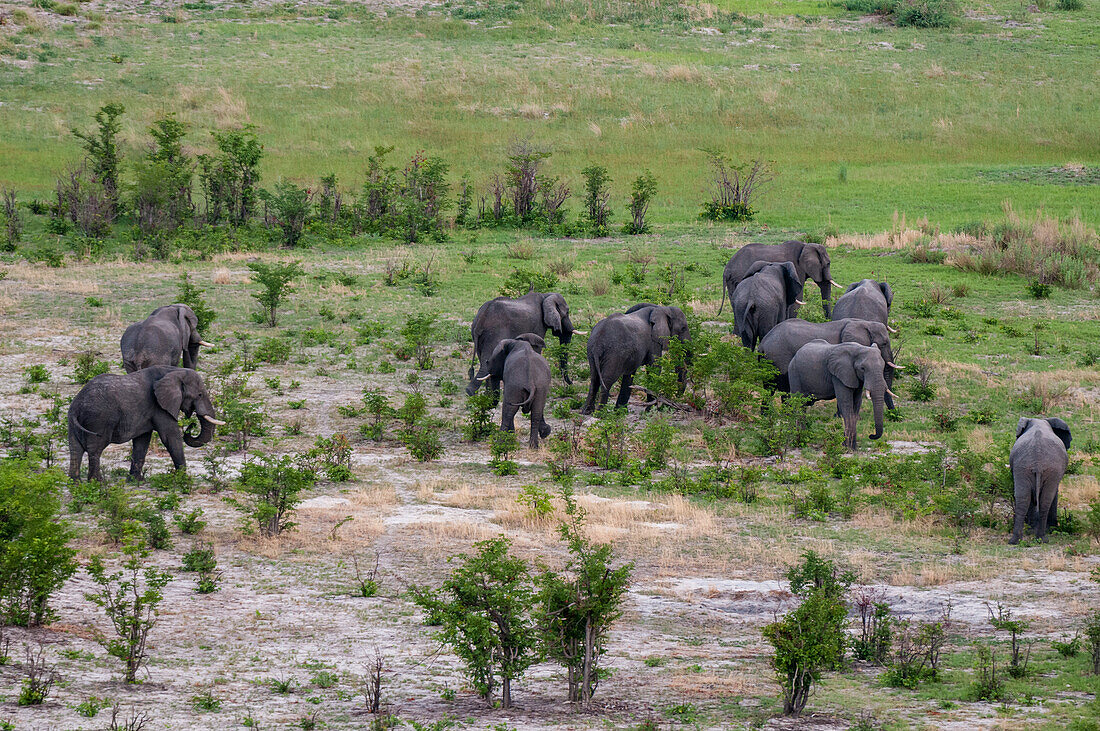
(101, 146)
(607, 439)
(926, 13)
(86, 366)
(479, 415)
(1070, 4)
(418, 333)
(502, 445)
(986, 686)
(520, 281)
(229, 179)
(597, 192)
(276, 279)
(642, 191)
(37, 373)
(271, 487)
(1039, 290)
(35, 557)
(275, 351)
(378, 407)
(291, 205)
(423, 442)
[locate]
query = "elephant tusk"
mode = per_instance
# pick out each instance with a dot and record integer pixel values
(482, 378)
(892, 394)
(799, 302)
(204, 343)
(580, 332)
(893, 365)
(833, 282)
(892, 330)
(868, 395)
(212, 420)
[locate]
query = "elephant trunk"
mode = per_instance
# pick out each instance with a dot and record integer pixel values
(877, 399)
(206, 433)
(826, 287)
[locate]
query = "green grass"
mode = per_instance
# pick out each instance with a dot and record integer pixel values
(914, 121)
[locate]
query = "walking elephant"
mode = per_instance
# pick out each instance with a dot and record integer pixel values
(1038, 461)
(620, 344)
(114, 409)
(780, 345)
(763, 299)
(504, 318)
(526, 377)
(865, 300)
(824, 371)
(168, 334)
(811, 261)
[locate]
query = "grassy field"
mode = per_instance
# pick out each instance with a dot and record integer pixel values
(884, 141)
(860, 119)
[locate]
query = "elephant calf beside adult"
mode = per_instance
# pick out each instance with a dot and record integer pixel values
(526, 376)
(825, 371)
(162, 339)
(811, 261)
(865, 300)
(763, 299)
(620, 344)
(114, 409)
(503, 318)
(1038, 461)
(780, 345)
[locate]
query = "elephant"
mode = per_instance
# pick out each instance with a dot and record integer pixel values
(763, 299)
(1038, 460)
(811, 261)
(780, 345)
(526, 376)
(842, 371)
(114, 409)
(503, 318)
(866, 300)
(168, 334)
(620, 344)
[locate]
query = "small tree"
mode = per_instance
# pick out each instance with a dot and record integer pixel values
(1092, 635)
(272, 487)
(292, 205)
(35, 557)
(733, 187)
(421, 199)
(578, 607)
(190, 295)
(522, 174)
(418, 332)
(276, 279)
(161, 193)
(597, 191)
(484, 611)
(101, 148)
(809, 639)
(642, 191)
(230, 178)
(130, 598)
(11, 220)
(375, 207)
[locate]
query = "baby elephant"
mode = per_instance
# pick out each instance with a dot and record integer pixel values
(1038, 460)
(114, 409)
(170, 333)
(526, 377)
(826, 371)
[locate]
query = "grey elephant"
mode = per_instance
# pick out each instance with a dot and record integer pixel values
(780, 345)
(114, 409)
(764, 299)
(163, 338)
(620, 344)
(504, 318)
(526, 377)
(1038, 461)
(811, 261)
(824, 371)
(865, 300)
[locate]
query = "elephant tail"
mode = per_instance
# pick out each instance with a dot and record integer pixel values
(73, 422)
(599, 374)
(527, 401)
(722, 301)
(1035, 505)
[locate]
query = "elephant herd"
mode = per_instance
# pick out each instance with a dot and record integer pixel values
(841, 359)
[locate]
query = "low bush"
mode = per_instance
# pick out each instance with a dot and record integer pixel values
(270, 488)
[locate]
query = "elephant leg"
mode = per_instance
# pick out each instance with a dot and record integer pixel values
(624, 391)
(533, 439)
(1023, 495)
(508, 416)
(137, 454)
(93, 466)
(1047, 504)
(76, 456)
(172, 439)
(593, 388)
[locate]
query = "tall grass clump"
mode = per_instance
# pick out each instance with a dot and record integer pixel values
(1043, 249)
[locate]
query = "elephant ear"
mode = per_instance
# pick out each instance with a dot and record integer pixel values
(640, 306)
(756, 268)
(495, 365)
(887, 293)
(661, 329)
(168, 391)
(550, 315)
(840, 364)
(1022, 425)
(852, 286)
(188, 325)
(1061, 430)
(537, 343)
(791, 284)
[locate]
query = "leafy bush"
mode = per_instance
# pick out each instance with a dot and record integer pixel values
(986, 686)
(479, 415)
(421, 198)
(102, 150)
(597, 184)
(291, 206)
(642, 191)
(925, 13)
(502, 445)
(273, 350)
(276, 279)
(230, 178)
(483, 609)
(607, 439)
(86, 366)
(378, 407)
(418, 332)
(733, 187)
(271, 488)
(35, 557)
(520, 281)
(130, 598)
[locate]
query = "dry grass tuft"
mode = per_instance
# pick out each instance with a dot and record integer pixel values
(681, 73)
